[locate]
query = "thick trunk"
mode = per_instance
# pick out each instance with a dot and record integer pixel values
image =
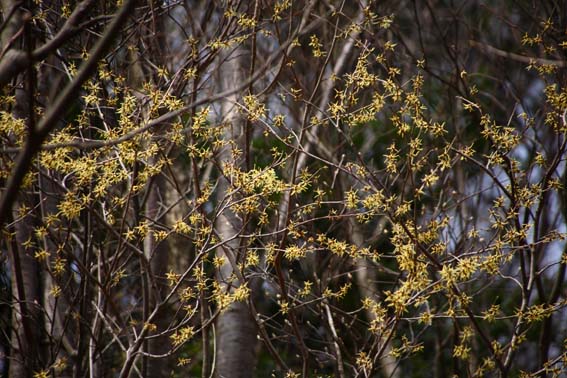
(236, 357)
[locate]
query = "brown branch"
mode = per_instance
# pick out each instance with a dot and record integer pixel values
(38, 135)
(489, 50)
(16, 61)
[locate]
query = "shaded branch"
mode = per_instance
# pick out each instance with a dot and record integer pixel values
(37, 136)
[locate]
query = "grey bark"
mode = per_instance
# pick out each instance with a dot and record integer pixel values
(158, 255)
(236, 329)
(366, 276)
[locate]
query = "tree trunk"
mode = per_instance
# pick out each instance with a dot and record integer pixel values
(236, 329)
(26, 320)
(158, 255)
(365, 279)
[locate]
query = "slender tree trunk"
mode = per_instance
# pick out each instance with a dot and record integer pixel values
(26, 319)
(236, 329)
(158, 255)
(26, 323)
(365, 279)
